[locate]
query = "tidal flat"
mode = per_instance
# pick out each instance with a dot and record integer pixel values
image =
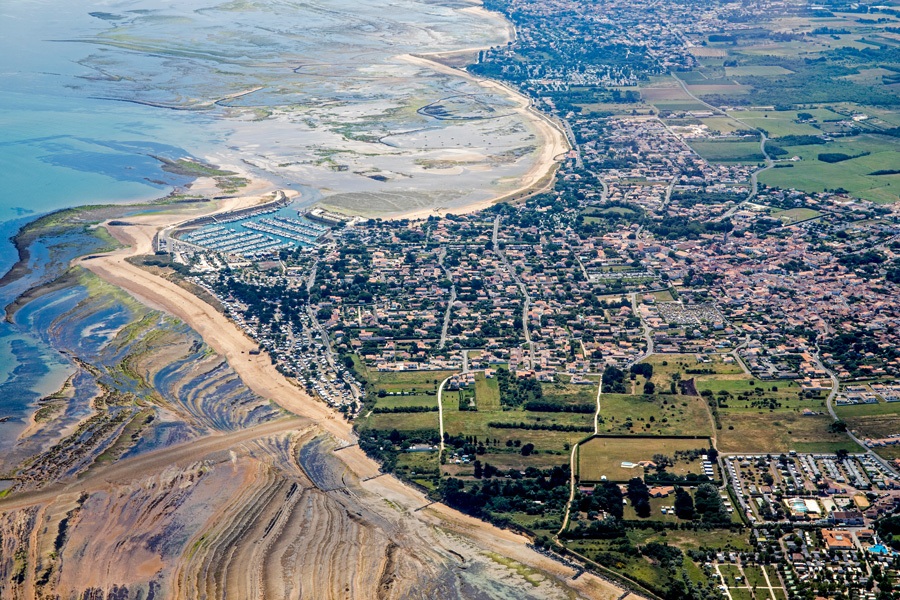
(154, 471)
(320, 97)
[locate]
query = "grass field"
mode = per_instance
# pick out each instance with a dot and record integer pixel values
(722, 124)
(407, 381)
(664, 414)
(403, 421)
(795, 215)
(406, 401)
(725, 151)
(487, 393)
(872, 420)
(601, 456)
(778, 431)
(811, 174)
(571, 394)
(781, 123)
(756, 71)
(476, 423)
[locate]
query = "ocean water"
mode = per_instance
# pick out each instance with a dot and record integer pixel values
(313, 95)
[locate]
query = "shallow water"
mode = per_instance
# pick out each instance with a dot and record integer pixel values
(93, 91)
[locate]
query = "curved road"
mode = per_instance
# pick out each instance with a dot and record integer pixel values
(829, 403)
(754, 177)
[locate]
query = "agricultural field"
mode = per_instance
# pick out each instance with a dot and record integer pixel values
(857, 175)
(603, 456)
(778, 123)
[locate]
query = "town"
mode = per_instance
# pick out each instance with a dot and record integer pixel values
(679, 366)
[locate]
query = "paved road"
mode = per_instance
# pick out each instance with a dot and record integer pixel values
(441, 255)
(574, 143)
(754, 177)
(441, 413)
(312, 276)
(829, 403)
(512, 272)
(648, 335)
(737, 357)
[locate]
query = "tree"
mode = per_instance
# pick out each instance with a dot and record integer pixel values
(639, 495)
(649, 388)
(527, 449)
(684, 504)
(708, 504)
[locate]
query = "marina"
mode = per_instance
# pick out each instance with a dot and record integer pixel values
(257, 233)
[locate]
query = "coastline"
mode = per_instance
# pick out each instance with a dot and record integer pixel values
(261, 376)
(554, 144)
(256, 370)
(554, 141)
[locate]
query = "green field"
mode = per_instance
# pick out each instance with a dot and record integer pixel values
(487, 393)
(756, 70)
(601, 456)
(853, 175)
(778, 431)
(406, 401)
(722, 124)
(872, 420)
(663, 414)
(726, 151)
(795, 215)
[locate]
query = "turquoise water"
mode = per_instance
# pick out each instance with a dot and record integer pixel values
(60, 146)
(93, 91)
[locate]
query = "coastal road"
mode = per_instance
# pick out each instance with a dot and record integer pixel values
(495, 238)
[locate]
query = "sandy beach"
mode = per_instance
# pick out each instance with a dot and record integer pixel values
(553, 146)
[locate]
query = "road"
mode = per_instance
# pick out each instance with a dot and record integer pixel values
(312, 277)
(441, 255)
(329, 352)
(572, 469)
(512, 273)
(441, 414)
(737, 357)
(648, 335)
(754, 177)
(579, 164)
(829, 403)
